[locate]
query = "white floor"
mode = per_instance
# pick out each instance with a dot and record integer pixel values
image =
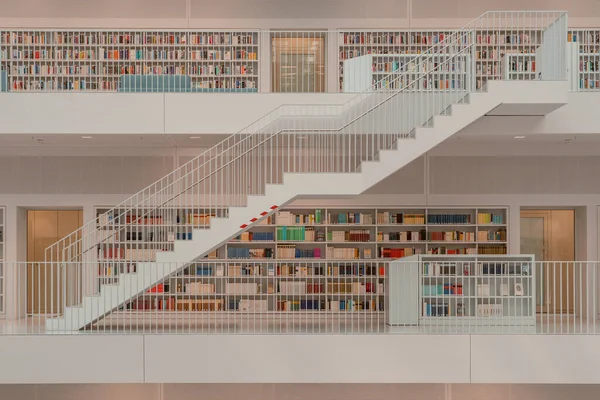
(545, 325)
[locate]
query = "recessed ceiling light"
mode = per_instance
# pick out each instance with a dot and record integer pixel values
(301, 137)
(86, 137)
(519, 137)
(195, 137)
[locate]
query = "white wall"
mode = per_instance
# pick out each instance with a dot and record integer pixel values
(348, 359)
(215, 113)
(144, 113)
(288, 14)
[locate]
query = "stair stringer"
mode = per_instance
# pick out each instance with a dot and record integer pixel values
(276, 196)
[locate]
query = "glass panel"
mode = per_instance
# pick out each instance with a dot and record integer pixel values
(298, 62)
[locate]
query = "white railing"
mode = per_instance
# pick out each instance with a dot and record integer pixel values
(249, 61)
(323, 297)
(291, 139)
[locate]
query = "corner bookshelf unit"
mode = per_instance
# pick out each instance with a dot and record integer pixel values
(100, 60)
(588, 63)
(382, 71)
(466, 290)
(253, 288)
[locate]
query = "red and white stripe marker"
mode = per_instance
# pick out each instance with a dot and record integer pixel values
(262, 214)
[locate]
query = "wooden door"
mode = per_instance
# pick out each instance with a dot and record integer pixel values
(550, 236)
(48, 283)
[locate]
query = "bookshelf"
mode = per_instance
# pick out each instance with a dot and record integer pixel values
(247, 287)
(98, 60)
(464, 290)
(301, 260)
(371, 233)
(588, 63)
(381, 71)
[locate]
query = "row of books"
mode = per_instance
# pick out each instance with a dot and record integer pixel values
(222, 55)
(446, 250)
(288, 252)
(521, 66)
(584, 37)
(296, 233)
(451, 236)
(256, 237)
(224, 84)
(53, 55)
(345, 253)
(91, 38)
(487, 68)
(332, 305)
(289, 218)
(242, 252)
(520, 38)
(348, 54)
(442, 309)
(41, 69)
(443, 289)
(587, 83)
(491, 236)
(52, 84)
(226, 69)
(352, 235)
(405, 236)
(448, 219)
(398, 252)
(589, 66)
(400, 218)
(391, 38)
(499, 249)
(489, 218)
(350, 218)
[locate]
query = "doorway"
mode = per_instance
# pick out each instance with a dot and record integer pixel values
(298, 62)
(45, 227)
(550, 236)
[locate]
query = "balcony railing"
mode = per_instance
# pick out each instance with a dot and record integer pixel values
(315, 297)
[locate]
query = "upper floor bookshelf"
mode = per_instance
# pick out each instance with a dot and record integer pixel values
(588, 65)
(99, 60)
(489, 49)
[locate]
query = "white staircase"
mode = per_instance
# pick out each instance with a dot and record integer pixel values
(258, 171)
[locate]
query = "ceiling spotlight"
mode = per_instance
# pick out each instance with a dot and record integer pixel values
(519, 137)
(86, 137)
